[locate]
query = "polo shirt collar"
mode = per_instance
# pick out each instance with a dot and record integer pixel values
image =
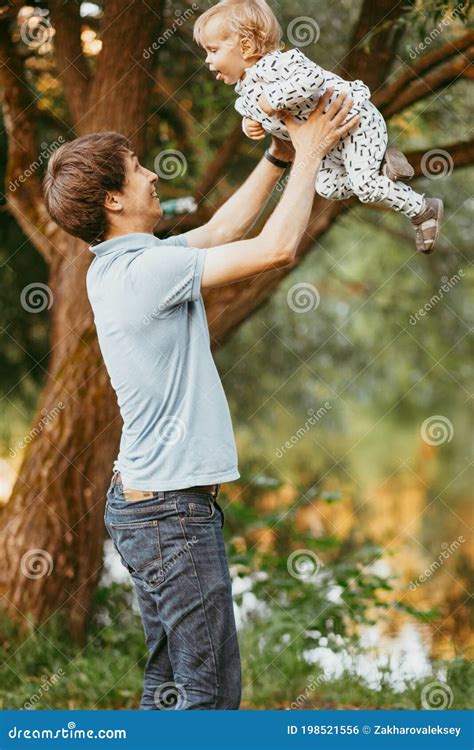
(133, 241)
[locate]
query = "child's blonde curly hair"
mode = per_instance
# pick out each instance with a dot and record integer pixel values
(248, 19)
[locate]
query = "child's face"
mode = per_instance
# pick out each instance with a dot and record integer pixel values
(224, 54)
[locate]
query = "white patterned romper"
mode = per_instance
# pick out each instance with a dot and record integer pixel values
(291, 81)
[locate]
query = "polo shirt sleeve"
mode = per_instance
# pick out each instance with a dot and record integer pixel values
(168, 274)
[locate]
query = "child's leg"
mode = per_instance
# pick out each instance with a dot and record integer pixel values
(362, 155)
(332, 181)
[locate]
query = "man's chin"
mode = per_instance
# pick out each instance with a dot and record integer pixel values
(158, 215)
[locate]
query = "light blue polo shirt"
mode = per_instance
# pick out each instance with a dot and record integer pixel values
(153, 334)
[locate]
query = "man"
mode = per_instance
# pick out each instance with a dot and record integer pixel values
(177, 443)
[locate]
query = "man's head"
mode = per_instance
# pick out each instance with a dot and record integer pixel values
(235, 35)
(95, 188)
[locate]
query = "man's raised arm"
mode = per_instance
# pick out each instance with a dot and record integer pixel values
(278, 242)
(236, 216)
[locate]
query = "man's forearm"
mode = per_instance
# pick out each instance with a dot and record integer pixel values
(289, 221)
(236, 216)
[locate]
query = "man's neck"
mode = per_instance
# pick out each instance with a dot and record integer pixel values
(114, 233)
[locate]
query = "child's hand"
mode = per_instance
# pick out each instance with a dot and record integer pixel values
(265, 106)
(253, 129)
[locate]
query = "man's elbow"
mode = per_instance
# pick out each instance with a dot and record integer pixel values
(285, 256)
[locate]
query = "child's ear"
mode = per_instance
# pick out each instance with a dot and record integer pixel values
(246, 48)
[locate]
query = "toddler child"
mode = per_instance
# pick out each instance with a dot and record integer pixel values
(242, 39)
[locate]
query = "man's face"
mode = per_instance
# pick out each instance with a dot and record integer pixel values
(139, 198)
(224, 55)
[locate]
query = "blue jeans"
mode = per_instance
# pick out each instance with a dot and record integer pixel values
(173, 547)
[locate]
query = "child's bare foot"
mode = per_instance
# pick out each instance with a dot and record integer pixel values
(396, 166)
(428, 224)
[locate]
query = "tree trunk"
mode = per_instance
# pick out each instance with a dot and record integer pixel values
(52, 530)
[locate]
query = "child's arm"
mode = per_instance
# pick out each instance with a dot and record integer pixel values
(253, 129)
(298, 78)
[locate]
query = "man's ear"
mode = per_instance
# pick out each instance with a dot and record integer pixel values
(113, 202)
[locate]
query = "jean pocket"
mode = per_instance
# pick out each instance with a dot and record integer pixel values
(138, 544)
(196, 507)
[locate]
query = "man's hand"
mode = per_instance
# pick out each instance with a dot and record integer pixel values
(322, 131)
(253, 129)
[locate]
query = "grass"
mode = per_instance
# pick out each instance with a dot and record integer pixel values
(47, 671)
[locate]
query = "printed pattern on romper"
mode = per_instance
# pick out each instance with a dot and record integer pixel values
(290, 80)
(293, 82)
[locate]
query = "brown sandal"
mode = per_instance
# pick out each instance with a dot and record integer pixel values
(428, 224)
(396, 166)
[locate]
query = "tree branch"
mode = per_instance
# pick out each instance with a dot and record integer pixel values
(213, 171)
(461, 154)
(434, 79)
(423, 65)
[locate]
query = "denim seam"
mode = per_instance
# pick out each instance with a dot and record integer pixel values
(205, 614)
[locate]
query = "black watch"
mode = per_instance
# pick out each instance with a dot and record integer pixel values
(277, 162)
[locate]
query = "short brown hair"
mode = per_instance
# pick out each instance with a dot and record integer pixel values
(249, 19)
(77, 179)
